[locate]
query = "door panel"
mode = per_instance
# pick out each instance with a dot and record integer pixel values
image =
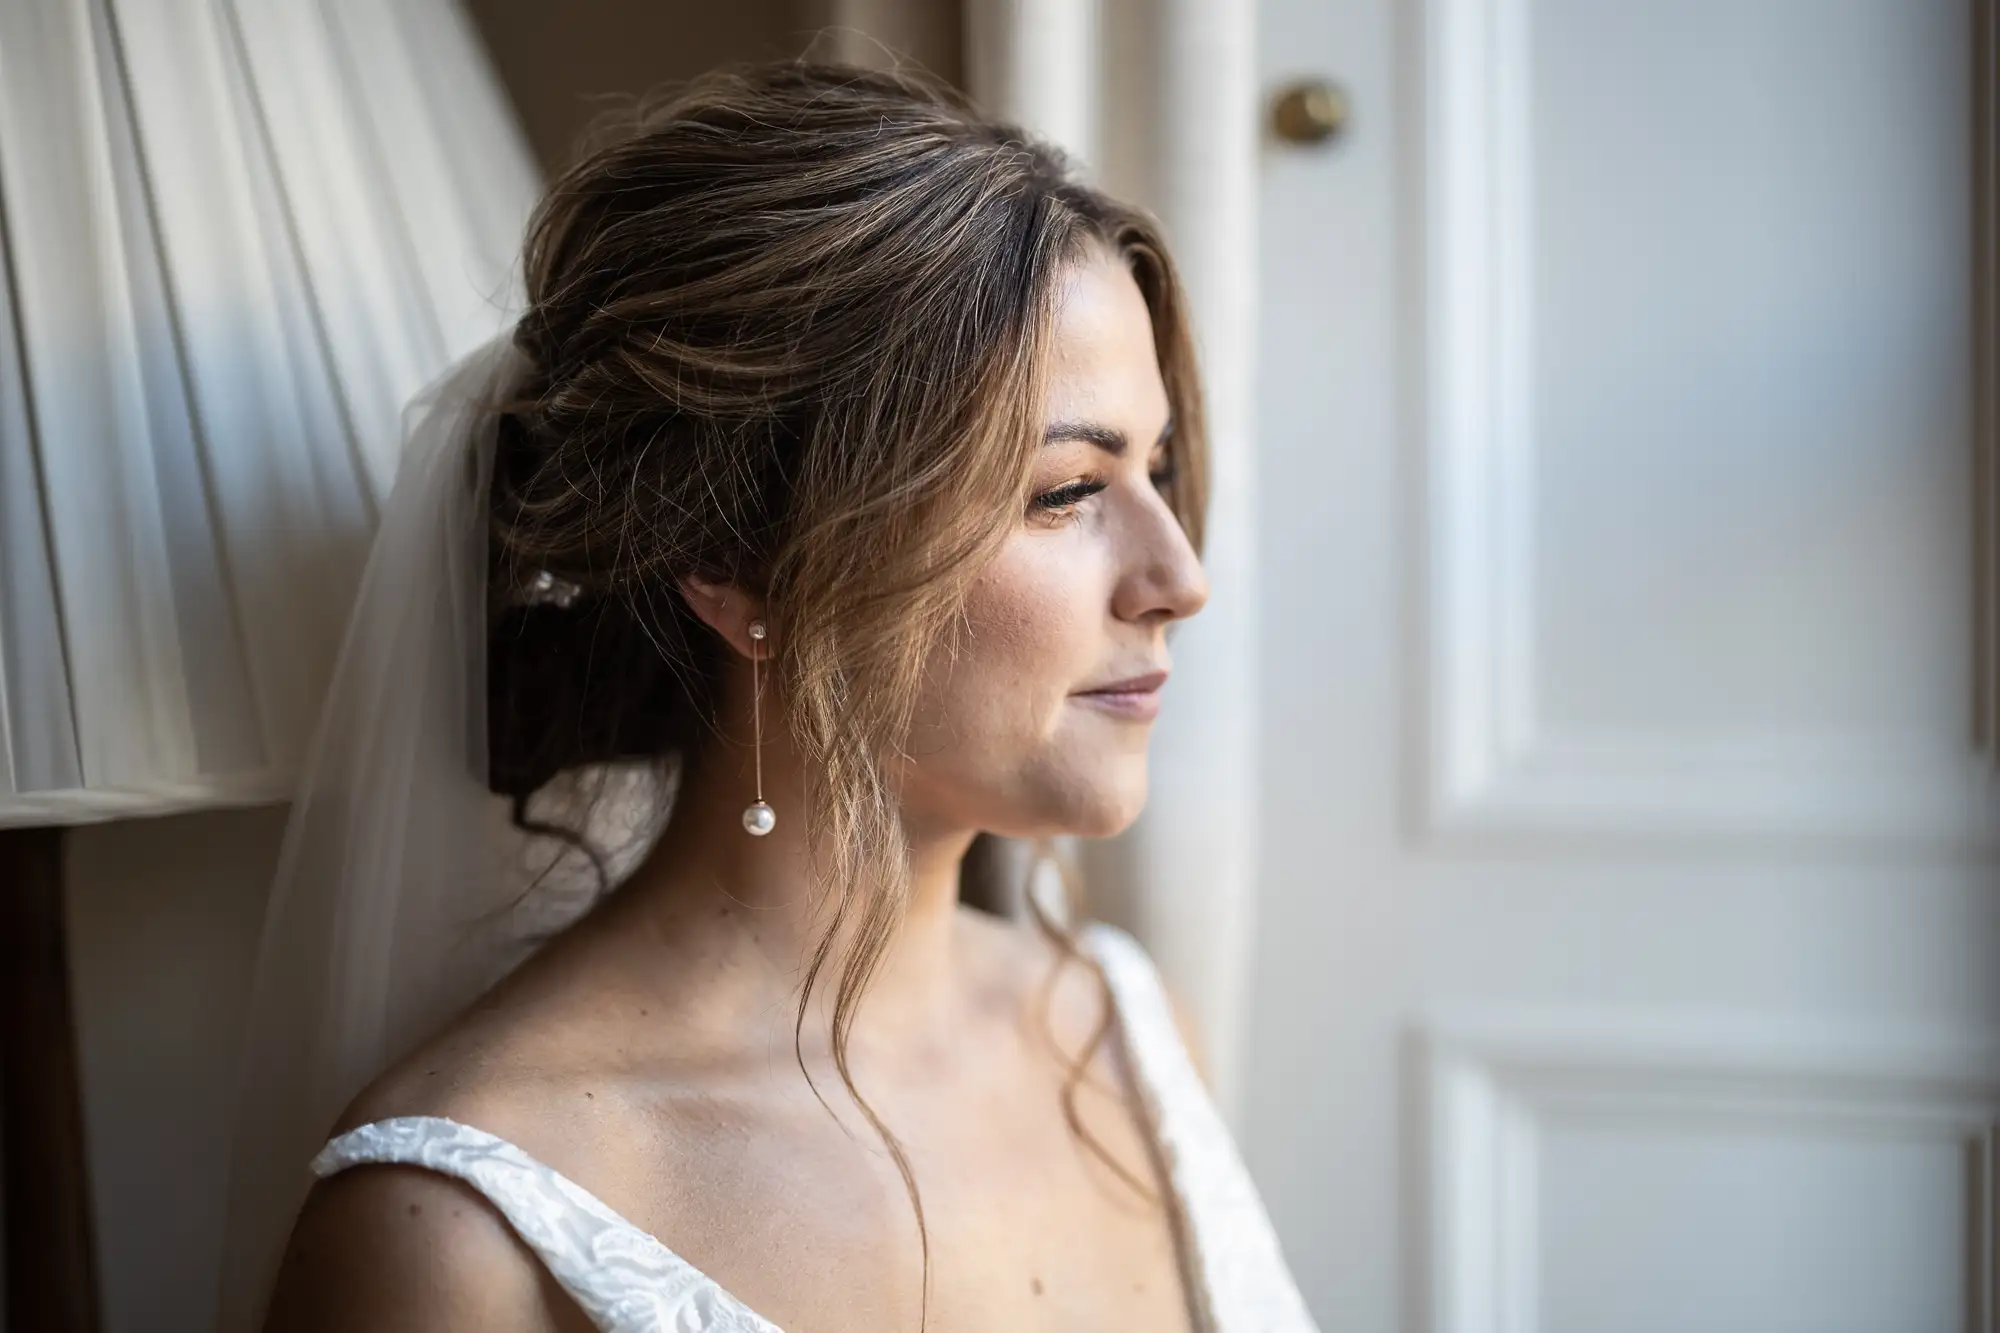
(1629, 944)
(1695, 400)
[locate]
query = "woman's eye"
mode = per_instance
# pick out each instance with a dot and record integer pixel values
(1059, 501)
(1163, 475)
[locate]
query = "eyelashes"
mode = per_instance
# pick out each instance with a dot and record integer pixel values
(1060, 500)
(1071, 493)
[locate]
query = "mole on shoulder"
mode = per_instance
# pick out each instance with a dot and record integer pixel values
(1036, 1283)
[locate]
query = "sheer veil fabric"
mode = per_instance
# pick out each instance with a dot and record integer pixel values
(402, 890)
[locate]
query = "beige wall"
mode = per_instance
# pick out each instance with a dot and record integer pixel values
(163, 921)
(561, 62)
(164, 913)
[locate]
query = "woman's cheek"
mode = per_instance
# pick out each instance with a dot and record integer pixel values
(1034, 609)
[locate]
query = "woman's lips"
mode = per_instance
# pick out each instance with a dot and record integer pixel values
(1135, 697)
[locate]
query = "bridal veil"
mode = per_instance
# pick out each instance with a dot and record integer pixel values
(399, 889)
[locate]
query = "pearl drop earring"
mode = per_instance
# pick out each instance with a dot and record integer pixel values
(758, 817)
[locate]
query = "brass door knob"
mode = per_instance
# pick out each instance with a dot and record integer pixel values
(1309, 111)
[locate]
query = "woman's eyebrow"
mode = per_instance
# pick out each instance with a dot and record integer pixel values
(1107, 438)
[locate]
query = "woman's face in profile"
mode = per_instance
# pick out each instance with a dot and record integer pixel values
(1039, 724)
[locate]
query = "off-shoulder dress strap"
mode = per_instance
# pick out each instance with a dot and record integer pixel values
(624, 1279)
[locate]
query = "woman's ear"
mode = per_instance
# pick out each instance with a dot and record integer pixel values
(727, 610)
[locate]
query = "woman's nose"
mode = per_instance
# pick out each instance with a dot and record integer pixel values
(1166, 580)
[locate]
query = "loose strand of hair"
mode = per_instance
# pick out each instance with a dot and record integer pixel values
(1063, 938)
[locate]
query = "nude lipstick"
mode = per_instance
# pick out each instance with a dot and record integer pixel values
(1136, 698)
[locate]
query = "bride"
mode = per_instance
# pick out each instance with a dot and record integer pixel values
(828, 506)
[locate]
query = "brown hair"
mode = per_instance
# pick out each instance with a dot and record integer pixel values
(787, 330)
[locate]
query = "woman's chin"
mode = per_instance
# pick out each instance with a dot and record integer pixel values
(1061, 801)
(1112, 806)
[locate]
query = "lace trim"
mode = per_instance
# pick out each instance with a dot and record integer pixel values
(1240, 1283)
(623, 1278)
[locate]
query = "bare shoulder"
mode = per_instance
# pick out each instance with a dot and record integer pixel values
(383, 1246)
(1052, 981)
(1021, 961)
(1077, 1003)
(482, 1071)
(393, 1248)
(523, 1060)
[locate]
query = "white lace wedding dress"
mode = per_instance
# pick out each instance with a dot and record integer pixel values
(628, 1282)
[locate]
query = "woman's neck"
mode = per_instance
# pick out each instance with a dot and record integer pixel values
(753, 909)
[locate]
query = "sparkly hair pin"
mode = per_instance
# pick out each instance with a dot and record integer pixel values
(545, 589)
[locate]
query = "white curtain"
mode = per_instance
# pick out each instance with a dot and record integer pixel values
(1158, 99)
(238, 235)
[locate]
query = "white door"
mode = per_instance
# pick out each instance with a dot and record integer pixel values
(1628, 956)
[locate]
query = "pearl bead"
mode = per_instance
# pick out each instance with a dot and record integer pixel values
(759, 819)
